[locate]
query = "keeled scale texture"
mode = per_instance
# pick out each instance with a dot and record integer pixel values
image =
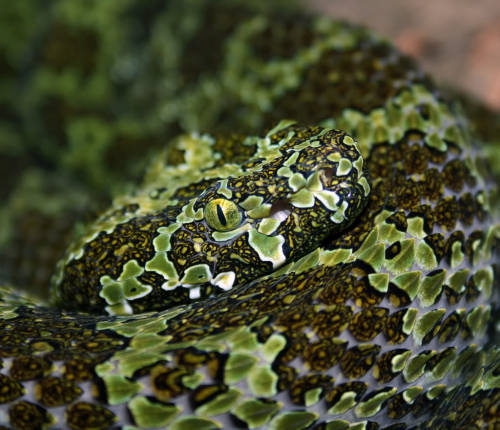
(383, 326)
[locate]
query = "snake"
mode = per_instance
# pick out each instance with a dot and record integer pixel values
(314, 243)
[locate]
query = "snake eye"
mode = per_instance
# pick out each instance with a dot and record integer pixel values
(222, 215)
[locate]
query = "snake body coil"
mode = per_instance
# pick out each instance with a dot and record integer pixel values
(270, 272)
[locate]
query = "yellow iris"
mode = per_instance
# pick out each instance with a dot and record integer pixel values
(222, 215)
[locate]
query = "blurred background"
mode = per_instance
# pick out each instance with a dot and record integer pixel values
(457, 41)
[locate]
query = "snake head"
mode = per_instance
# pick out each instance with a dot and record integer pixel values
(302, 185)
(305, 184)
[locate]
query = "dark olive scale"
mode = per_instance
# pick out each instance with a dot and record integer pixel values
(382, 324)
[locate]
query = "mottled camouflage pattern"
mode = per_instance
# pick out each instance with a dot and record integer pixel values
(385, 325)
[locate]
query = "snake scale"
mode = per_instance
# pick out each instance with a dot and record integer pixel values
(314, 244)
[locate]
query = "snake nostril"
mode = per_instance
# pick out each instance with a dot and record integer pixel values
(326, 175)
(280, 209)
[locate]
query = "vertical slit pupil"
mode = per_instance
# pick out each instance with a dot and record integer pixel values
(220, 214)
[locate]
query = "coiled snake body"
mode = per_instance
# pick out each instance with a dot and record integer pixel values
(279, 276)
